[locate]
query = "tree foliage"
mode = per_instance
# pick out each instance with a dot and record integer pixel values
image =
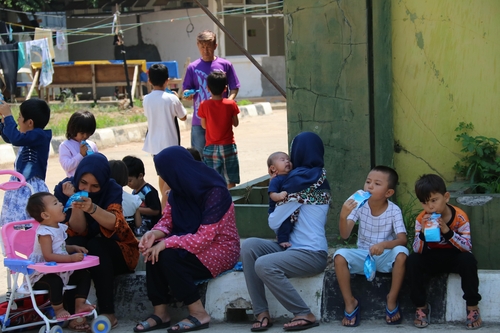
(39, 5)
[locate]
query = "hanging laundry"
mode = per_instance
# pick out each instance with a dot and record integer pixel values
(46, 33)
(21, 57)
(60, 40)
(10, 33)
(4, 32)
(8, 64)
(41, 48)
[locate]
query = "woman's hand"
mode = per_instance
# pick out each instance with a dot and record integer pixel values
(146, 241)
(76, 249)
(152, 254)
(84, 204)
(68, 189)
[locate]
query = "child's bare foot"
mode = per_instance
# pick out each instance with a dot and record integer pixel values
(60, 312)
(285, 245)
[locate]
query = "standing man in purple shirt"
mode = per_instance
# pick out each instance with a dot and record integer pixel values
(196, 78)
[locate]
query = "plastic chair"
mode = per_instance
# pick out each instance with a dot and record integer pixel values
(18, 240)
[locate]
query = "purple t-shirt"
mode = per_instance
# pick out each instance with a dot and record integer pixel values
(196, 78)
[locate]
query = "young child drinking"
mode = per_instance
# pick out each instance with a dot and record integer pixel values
(50, 245)
(31, 160)
(451, 253)
(382, 234)
(81, 126)
(279, 166)
(130, 202)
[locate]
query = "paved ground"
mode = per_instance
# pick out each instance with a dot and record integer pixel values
(256, 138)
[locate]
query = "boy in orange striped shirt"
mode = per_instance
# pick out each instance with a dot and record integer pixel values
(451, 254)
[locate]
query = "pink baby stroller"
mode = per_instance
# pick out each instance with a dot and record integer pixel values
(18, 240)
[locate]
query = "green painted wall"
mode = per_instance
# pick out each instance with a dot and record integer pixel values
(444, 62)
(329, 76)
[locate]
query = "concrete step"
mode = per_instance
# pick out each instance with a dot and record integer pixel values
(227, 297)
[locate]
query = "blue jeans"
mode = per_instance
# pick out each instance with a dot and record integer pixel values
(198, 138)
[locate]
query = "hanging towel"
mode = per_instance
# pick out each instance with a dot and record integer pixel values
(46, 33)
(60, 40)
(41, 47)
(21, 58)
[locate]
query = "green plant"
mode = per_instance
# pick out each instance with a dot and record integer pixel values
(480, 165)
(410, 211)
(352, 240)
(244, 102)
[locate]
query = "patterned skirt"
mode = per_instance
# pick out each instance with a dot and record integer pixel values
(14, 202)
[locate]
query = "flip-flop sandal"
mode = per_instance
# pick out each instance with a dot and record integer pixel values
(424, 316)
(472, 317)
(309, 324)
(147, 327)
(261, 322)
(193, 325)
(82, 322)
(392, 314)
(350, 316)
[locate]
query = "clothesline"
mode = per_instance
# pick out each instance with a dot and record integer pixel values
(228, 12)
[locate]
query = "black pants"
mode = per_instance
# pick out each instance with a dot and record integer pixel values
(8, 63)
(420, 268)
(54, 284)
(176, 270)
(111, 263)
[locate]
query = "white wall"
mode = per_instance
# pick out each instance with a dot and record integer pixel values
(249, 76)
(171, 38)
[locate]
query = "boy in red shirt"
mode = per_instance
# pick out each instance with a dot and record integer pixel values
(218, 116)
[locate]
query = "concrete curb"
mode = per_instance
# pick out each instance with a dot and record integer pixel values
(113, 136)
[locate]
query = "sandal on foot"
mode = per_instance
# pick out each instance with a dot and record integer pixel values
(80, 325)
(147, 327)
(193, 325)
(473, 317)
(424, 316)
(353, 314)
(262, 328)
(391, 314)
(308, 324)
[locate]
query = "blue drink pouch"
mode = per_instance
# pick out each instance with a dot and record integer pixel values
(190, 92)
(370, 268)
(89, 149)
(75, 197)
(361, 197)
(432, 231)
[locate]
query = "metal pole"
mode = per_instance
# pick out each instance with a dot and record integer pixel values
(120, 42)
(242, 49)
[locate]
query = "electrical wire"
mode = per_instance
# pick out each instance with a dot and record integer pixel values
(125, 27)
(190, 26)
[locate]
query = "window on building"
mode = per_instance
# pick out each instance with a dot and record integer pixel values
(256, 24)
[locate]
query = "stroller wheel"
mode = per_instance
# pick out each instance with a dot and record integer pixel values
(101, 324)
(42, 329)
(56, 329)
